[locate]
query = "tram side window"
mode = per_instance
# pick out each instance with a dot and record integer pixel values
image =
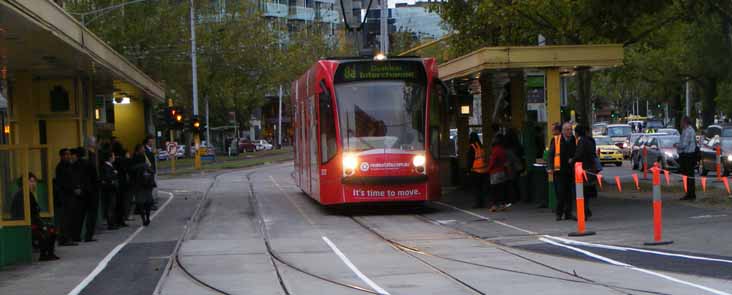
(437, 97)
(327, 125)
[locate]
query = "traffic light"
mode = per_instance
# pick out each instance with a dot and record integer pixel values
(178, 118)
(196, 124)
(162, 119)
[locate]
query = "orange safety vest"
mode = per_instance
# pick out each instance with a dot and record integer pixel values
(480, 165)
(557, 144)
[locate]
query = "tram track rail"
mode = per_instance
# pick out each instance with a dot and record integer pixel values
(275, 257)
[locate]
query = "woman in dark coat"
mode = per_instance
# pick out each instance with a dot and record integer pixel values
(585, 153)
(143, 182)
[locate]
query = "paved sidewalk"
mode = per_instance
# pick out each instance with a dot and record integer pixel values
(77, 262)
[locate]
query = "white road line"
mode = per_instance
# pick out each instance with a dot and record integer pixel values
(487, 218)
(708, 216)
(619, 248)
(631, 267)
(353, 268)
(103, 264)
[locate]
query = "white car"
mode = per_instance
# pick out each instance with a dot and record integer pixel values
(262, 145)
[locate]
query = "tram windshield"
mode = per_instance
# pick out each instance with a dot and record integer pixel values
(381, 114)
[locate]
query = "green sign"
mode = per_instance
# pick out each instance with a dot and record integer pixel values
(379, 70)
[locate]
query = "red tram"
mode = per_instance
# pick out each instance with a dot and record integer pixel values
(365, 132)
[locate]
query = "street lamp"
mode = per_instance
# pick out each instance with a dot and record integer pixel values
(102, 11)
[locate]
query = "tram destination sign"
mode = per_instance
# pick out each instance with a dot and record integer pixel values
(379, 70)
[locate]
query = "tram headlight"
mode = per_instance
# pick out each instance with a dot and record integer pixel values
(350, 162)
(418, 160)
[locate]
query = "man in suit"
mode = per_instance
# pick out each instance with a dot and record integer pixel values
(63, 192)
(564, 174)
(150, 159)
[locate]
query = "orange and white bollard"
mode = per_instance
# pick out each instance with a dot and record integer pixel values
(657, 208)
(718, 161)
(579, 188)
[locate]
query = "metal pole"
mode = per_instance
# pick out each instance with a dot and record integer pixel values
(208, 130)
(194, 78)
(279, 121)
(384, 30)
(687, 109)
(648, 112)
(193, 63)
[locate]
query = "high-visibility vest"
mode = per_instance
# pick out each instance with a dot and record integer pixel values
(480, 165)
(557, 144)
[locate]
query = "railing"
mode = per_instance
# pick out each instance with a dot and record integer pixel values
(302, 13)
(274, 9)
(16, 161)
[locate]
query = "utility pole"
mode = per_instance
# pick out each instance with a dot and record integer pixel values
(384, 27)
(279, 121)
(208, 130)
(687, 108)
(172, 141)
(194, 73)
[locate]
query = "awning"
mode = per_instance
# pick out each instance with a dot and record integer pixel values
(565, 57)
(42, 38)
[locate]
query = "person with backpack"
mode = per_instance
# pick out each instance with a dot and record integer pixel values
(478, 172)
(143, 182)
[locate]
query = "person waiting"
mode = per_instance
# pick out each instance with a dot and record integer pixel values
(43, 235)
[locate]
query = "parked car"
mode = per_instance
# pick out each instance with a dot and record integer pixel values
(628, 147)
(246, 145)
(636, 157)
(181, 152)
(619, 134)
(710, 132)
(663, 149)
(262, 145)
(709, 153)
(162, 155)
(599, 129)
(669, 131)
(609, 152)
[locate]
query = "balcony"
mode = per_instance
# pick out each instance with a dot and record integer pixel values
(270, 9)
(328, 16)
(302, 13)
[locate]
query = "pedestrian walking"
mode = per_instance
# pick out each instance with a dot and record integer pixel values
(688, 152)
(478, 173)
(561, 152)
(143, 182)
(109, 185)
(498, 175)
(586, 153)
(43, 235)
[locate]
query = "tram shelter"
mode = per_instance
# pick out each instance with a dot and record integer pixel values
(483, 77)
(59, 85)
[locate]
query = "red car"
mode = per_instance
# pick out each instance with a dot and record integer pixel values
(247, 145)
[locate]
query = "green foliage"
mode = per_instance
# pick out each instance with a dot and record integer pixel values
(241, 56)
